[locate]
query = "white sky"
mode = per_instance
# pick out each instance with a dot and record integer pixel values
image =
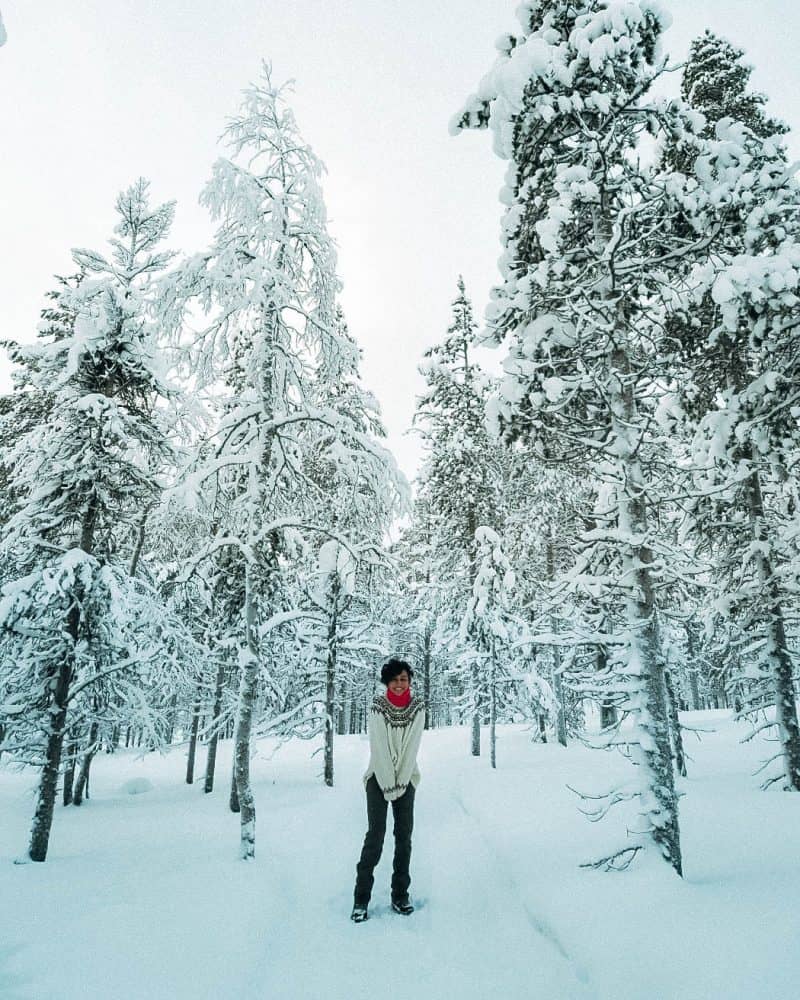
(94, 93)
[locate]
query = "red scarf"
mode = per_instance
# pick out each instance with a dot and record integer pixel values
(398, 700)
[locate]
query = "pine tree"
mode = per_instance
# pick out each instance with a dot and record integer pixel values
(72, 617)
(414, 603)
(733, 340)
(716, 82)
(28, 405)
(488, 622)
(580, 306)
(359, 492)
(544, 510)
(268, 286)
(460, 472)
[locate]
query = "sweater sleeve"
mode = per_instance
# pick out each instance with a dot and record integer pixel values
(380, 759)
(408, 758)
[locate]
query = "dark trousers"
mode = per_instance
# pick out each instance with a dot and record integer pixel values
(403, 811)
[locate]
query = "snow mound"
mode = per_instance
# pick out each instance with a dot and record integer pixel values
(135, 786)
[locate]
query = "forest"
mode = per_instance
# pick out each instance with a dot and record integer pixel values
(206, 541)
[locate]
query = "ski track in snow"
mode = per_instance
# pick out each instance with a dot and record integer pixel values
(538, 923)
(475, 907)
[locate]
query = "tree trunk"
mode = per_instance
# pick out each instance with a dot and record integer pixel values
(675, 725)
(493, 709)
(233, 799)
(330, 681)
(556, 677)
(173, 708)
(778, 654)
(69, 772)
(655, 750)
(82, 784)
(193, 740)
(694, 688)
(558, 691)
(48, 780)
(476, 716)
(59, 682)
(352, 718)
(608, 711)
(81, 790)
(244, 724)
(211, 756)
(140, 533)
(659, 799)
(692, 666)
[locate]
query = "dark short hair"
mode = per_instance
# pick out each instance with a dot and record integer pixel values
(393, 669)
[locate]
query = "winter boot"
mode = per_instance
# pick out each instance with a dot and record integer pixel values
(359, 914)
(403, 905)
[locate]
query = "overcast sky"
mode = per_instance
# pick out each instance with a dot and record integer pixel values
(94, 93)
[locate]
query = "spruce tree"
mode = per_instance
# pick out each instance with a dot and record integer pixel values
(460, 473)
(271, 348)
(716, 82)
(580, 305)
(72, 618)
(735, 341)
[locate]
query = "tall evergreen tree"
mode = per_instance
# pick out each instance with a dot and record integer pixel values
(460, 469)
(737, 343)
(268, 286)
(580, 305)
(487, 620)
(415, 602)
(73, 617)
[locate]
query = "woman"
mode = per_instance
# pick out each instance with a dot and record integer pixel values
(396, 721)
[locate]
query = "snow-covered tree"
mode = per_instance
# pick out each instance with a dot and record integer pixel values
(268, 288)
(487, 626)
(544, 511)
(736, 338)
(460, 471)
(414, 604)
(586, 278)
(358, 492)
(29, 404)
(716, 82)
(73, 619)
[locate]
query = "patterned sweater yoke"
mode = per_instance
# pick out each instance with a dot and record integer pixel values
(395, 716)
(394, 738)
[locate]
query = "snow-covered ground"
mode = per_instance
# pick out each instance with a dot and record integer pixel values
(143, 896)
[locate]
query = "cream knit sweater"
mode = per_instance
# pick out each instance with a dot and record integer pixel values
(394, 737)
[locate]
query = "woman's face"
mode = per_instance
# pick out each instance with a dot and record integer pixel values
(399, 684)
